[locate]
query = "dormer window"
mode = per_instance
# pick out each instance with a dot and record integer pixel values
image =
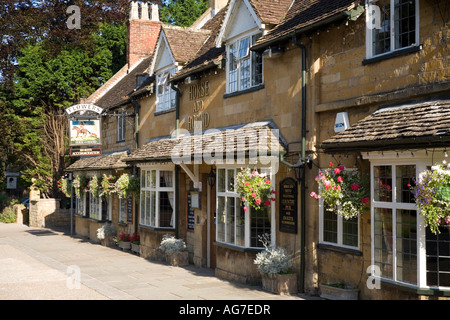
(165, 98)
(244, 67)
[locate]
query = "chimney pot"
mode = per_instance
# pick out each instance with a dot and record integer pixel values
(134, 11)
(144, 11)
(155, 12)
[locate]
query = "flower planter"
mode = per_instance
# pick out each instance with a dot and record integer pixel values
(178, 259)
(125, 245)
(283, 284)
(331, 292)
(135, 248)
(108, 242)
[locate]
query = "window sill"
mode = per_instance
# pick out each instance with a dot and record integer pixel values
(237, 248)
(415, 289)
(236, 93)
(336, 248)
(157, 113)
(392, 54)
(157, 228)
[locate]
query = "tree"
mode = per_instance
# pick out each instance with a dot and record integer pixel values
(182, 13)
(46, 84)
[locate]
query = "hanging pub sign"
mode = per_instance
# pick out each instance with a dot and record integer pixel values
(81, 152)
(288, 205)
(84, 107)
(84, 132)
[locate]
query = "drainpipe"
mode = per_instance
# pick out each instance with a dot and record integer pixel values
(177, 167)
(135, 103)
(302, 177)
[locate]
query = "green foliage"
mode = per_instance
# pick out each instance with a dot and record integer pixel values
(182, 13)
(7, 216)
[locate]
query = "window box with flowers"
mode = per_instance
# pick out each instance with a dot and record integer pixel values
(274, 264)
(342, 191)
(123, 240)
(175, 251)
(432, 195)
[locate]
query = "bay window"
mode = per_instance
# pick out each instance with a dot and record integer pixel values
(405, 251)
(235, 226)
(157, 197)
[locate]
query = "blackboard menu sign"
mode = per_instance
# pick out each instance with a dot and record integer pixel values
(190, 213)
(288, 205)
(130, 208)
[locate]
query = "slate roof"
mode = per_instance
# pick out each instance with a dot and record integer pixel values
(121, 92)
(103, 162)
(227, 139)
(416, 125)
(208, 55)
(301, 14)
(184, 42)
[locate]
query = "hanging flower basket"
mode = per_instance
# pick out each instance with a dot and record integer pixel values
(343, 191)
(254, 189)
(432, 195)
(108, 185)
(94, 186)
(80, 185)
(127, 184)
(64, 185)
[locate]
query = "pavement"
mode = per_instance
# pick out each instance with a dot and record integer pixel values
(47, 264)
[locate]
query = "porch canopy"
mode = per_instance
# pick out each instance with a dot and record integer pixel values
(111, 161)
(417, 125)
(260, 138)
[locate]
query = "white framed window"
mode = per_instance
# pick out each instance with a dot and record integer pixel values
(336, 230)
(81, 205)
(123, 210)
(165, 95)
(121, 121)
(235, 226)
(244, 67)
(404, 250)
(391, 25)
(157, 206)
(95, 207)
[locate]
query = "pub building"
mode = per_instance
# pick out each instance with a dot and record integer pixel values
(286, 88)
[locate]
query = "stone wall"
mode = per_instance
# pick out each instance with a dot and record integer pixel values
(47, 213)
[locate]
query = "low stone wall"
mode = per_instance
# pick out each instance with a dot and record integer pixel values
(21, 214)
(45, 213)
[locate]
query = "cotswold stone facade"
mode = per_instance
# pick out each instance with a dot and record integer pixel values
(275, 78)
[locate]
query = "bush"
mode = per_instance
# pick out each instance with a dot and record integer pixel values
(170, 244)
(8, 215)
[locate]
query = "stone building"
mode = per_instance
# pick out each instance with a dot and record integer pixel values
(261, 85)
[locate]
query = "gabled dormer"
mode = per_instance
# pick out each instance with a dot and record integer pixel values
(175, 47)
(245, 22)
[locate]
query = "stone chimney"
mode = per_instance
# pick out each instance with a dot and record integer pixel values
(216, 5)
(142, 32)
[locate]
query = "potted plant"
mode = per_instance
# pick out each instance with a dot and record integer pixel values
(105, 234)
(174, 250)
(343, 191)
(124, 241)
(254, 189)
(275, 266)
(135, 242)
(431, 193)
(64, 185)
(338, 291)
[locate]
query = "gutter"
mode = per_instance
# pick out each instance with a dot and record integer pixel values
(177, 167)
